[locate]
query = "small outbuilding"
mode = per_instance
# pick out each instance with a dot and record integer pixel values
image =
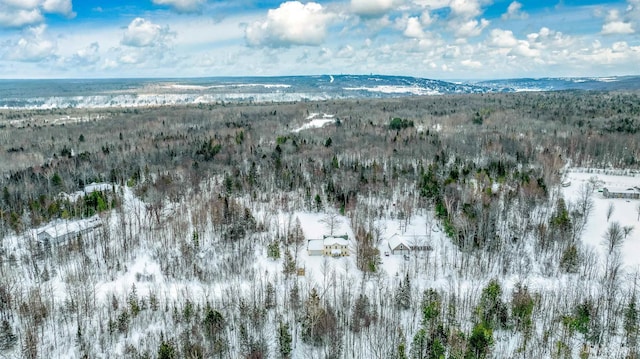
(628, 193)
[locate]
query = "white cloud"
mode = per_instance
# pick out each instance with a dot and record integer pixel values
(426, 19)
(62, 7)
(181, 5)
(617, 27)
(346, 52)
(471, 64)
(21, 4)
(19, 17)
(502, 38)
(33, 46)
(524, 49)
(87, 56)
(469, 28)
(144, 33)
(432, 4)
(466, 9)
(372, 7)
(20, 13)
(514, 11)
(414, 28)
(293, 23)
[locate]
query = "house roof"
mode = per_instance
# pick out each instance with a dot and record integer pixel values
(622, 190)
(331, 241)
(315, 245)
(408, 241)
(395, 241)
(62, 228)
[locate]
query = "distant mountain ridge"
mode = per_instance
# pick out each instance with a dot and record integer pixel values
(101, 93)
(612, 83)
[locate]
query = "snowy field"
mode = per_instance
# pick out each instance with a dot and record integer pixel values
(316, 121)
(625, 211)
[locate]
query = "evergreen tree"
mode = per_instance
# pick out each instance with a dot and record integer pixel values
(7, 338)
(270, 297)
(167, 350)
(362, 315)
(403, 293)
(492, 311)
(289, 265)
(419, 345)
(480, 342)
(631, 322)
(273, 250)
(284, 340)
(294, 296)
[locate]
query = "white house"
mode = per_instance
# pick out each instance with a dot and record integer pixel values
(62, 230)
(629, 193)
(335, 246)
(404, 244)
(398, 245)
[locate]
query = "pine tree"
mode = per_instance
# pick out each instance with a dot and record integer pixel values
(294, 296)
(631, 322)
(167, 350)
(270, 297)
(403, 294)
(289, 265)
(480, 341)
(7, 338)
(419, 346)
(284, 340)
(273, 250)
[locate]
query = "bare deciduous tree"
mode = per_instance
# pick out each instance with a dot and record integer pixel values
(331, 221)
(585, 202)
(610, 210)
(613, 237)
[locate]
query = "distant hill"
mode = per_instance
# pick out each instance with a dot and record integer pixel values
(615, 83)
(101, 93)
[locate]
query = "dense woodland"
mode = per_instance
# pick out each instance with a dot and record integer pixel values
(205, 179)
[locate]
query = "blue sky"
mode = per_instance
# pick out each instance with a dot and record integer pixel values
(441, 39)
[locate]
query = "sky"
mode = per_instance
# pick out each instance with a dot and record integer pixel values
(439, 39)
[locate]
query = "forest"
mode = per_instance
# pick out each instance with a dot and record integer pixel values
(202, 229)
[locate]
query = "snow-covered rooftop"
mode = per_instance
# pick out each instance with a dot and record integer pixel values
(315, 245)
(330, 241)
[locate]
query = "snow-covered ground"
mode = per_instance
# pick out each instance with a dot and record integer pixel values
(316, 121)
(625, 211)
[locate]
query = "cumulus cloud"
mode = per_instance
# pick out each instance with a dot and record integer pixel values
(19, 17)
(20, 13)
(502, 38)
(622, 24)
(62, 7)
(372, 7)
(465, 8)
(414, 28)
(426, 19)
(471, 64)
(33, 46)
(463, 18)
(293, 23)
(87, 56)
(514, 11)
(346, 52)
(617, 27)
(182, 5)
(144, 33)
(470, 28)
